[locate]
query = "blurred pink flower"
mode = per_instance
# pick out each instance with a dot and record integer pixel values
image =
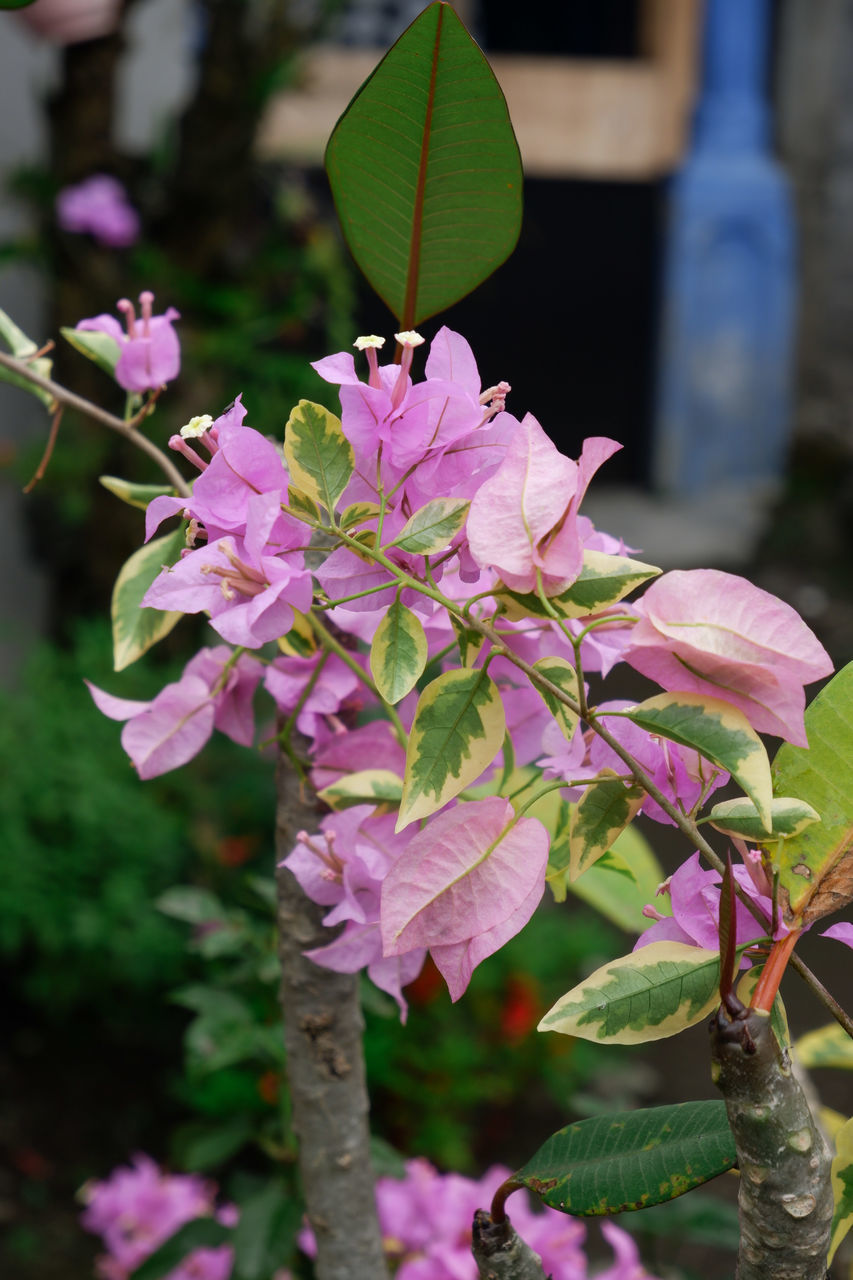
(71, 21)
(139, 1207)
(99, 206)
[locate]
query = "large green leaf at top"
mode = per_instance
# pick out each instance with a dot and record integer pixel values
(136, 629)
(425, 170)
(816, 866)
(457, 731)
(718, 731)
(653, 993)
(631, 1160)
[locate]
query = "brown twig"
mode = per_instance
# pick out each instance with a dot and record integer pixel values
(127, 429)
(48, 450)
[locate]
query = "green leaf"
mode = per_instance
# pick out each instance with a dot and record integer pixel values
(303, 507)
(433, 527)
(368, 786)
(470, 642)
(458, 730)
(191, 903)
(828, 1046)
(425, 170)
(816, 866)
(648, 995)
(604, 809)
(842, 1187)
(99, 347)
(200, 1147)
(398, 653)
(739, 817)
(631, 1160)
(199, 1233)
(561, 673)
(319, 457)
(265, 1233)
(15, 4)
(301, 640)
(604, 580)
(135, 629)
(357, 513)
(621, 883)
(718, 731)
(135, 495)
(21, 347)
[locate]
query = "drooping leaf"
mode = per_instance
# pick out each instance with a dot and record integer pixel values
(199, 1233)
(470, 642)
(828, 1046)
(561, 673)
(604, 580)
(319, 457)
(604, 809)
(842, 1187)
(631, 1160)
(303, 507)
(620, 884)
(432, 528)
(716, 730)
(425, 170)
(653, 993)
(135, 629)
(739, 817)
(368, 786)
(265, 1232)
(457, 731)
(21, 348)
(98, 347)
(301, 640)
(398, 653)
(816, 866)
(135, 495)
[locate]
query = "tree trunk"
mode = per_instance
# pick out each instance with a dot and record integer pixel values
(325, 1069)
(785, 1196)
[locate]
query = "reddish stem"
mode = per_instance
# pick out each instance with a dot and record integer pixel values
(771, 974)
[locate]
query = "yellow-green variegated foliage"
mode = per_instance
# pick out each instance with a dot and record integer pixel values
(653, 993)
(319, 457)
(603, 811)
(457, 731)
(842, 1187)
(135, 629)
(398, 653)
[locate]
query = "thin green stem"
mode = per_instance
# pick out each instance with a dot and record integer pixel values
(329, 642)
(287, 728)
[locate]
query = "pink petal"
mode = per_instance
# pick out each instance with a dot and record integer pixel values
(841, 932)
(115, 708)
(172, 730)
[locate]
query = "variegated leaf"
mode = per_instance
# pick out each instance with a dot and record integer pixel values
(653, 993)
(135, 630)
(718, 731)
(458, 730)
(135, 495)
(739, 818)
(604, 809)
(604, 580)
(398, 653)
(561, 673)
(842, 1187)
(369, 786)
(433, 527)
(319, 457)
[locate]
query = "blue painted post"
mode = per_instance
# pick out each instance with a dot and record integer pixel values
(725, 363)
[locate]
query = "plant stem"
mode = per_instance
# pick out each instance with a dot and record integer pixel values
(500, 1254)
(323, 1029)
(785, 1197)
(127, 429)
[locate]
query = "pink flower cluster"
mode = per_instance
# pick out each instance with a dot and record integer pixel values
(149, 350)
(140, 1206)
(426, 1217)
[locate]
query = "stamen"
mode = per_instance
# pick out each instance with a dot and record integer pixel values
(370, 343)
(179, 444)
(126, 307)
(652, 913)
(326, 856)
(146, 298)
(408, 340)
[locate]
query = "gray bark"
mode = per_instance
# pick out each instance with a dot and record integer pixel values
(325, 1069)
(500, 1254)
(785, 1197)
